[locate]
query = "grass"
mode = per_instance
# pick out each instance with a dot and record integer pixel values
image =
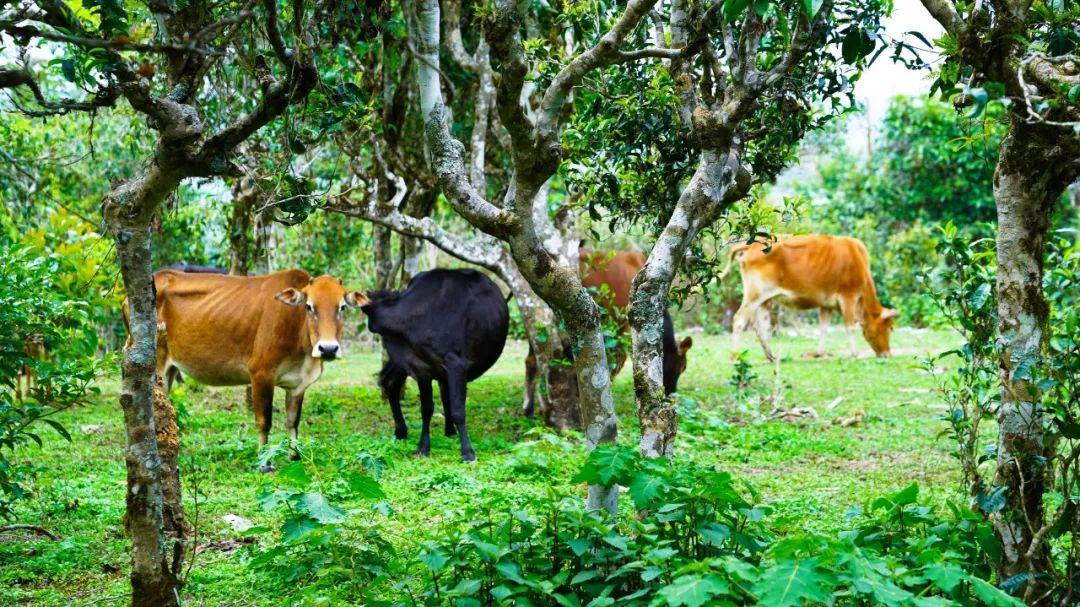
(811, 471)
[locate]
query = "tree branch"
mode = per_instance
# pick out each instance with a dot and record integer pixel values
(945, 13)
(605, 52)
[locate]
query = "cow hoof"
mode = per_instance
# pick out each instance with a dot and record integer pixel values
(267, 468)
(450, 431)
(422, 453)
(401, 434)
(294, 456)
(468, 458)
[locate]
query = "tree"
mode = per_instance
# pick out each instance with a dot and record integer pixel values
(1022, 55)
(158, 59)
(718, 106)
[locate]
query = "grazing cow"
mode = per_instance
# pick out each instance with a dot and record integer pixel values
(616, 271)
(812, 271)
(448, 326)
(264, 331)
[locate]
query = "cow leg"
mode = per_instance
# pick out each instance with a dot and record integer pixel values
(262, 402)
(824, 316)
(427, 409)
(455, 382)
(444, 395)
(392, 380)
(747, 316)
(294, 402)
(848, 310)
(527, 406)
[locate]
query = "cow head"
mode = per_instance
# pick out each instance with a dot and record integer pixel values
(325, 299)
(675, 364)
(876, 331)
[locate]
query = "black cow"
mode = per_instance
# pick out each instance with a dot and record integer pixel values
(186, 267)
(447, 325)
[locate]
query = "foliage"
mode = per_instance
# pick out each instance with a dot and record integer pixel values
(319, 544)
(34, 312)
(965, 290)
(699, 538)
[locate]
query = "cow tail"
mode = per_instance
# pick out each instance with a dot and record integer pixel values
(509, 296)
(734, 250)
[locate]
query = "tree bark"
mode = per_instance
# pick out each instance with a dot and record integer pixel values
(156, 555)
(242, 245)
(1032, 174)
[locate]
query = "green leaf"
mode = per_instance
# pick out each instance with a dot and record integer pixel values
(715, 533)
(812, 7)
(607, 465)
(59, 429)
(296, 527)
(510, 570)
(294, 474)
(466, 588)
(1074, 93)
(364, 486)
(645, 487)
(584, 576)
(991, 595)
(693, 590)
(434, 557)
(946, 577)
(318, 508)
(733, 9)
(907, 495)
(791, 582)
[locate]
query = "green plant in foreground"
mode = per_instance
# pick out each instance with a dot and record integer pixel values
(33, 309)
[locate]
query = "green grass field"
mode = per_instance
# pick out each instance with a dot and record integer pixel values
(810, 470)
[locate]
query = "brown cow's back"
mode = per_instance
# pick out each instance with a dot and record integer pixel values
(220, 326)
(818, 268)
(614, 269)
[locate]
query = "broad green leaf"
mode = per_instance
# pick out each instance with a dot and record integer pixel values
(991, 595)
(907, 495)
(365, 486)
(812, 7)
(693, 590)
(510, 570)
(319, 508)
(645, 487)
(296, 527)
(294, 474)
(946, 577)
(791, 582)
(434, 557)
(607, 465)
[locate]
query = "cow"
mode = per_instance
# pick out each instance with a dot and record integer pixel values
(263, 331)
(447, 326)
(812, 271)
(609, 275)
(34, 348)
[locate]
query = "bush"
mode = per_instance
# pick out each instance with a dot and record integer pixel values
(34, 310)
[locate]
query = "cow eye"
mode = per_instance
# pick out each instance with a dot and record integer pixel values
(310, 308)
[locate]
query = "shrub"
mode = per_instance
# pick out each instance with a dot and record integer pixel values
(33, 309)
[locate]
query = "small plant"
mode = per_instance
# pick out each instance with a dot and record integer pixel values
(743, 377)
(320, 546)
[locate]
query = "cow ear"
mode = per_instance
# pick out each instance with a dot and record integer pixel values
(291, 297)
(685, 345)
(888, 313)
(356, 299)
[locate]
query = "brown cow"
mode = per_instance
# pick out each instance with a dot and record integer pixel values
(33, 347)
(812, 271)
(611, 274)
(264, 331)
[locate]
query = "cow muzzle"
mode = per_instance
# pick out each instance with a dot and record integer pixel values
(326, 350)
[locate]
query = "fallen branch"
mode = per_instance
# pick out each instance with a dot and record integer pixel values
(35, 528)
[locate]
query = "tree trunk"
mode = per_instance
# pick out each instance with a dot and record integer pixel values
(264, 223)
(717, 183)
(241, 231)
(155, 557)
(1030, 179)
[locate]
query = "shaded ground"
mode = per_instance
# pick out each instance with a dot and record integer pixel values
(810, 470)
